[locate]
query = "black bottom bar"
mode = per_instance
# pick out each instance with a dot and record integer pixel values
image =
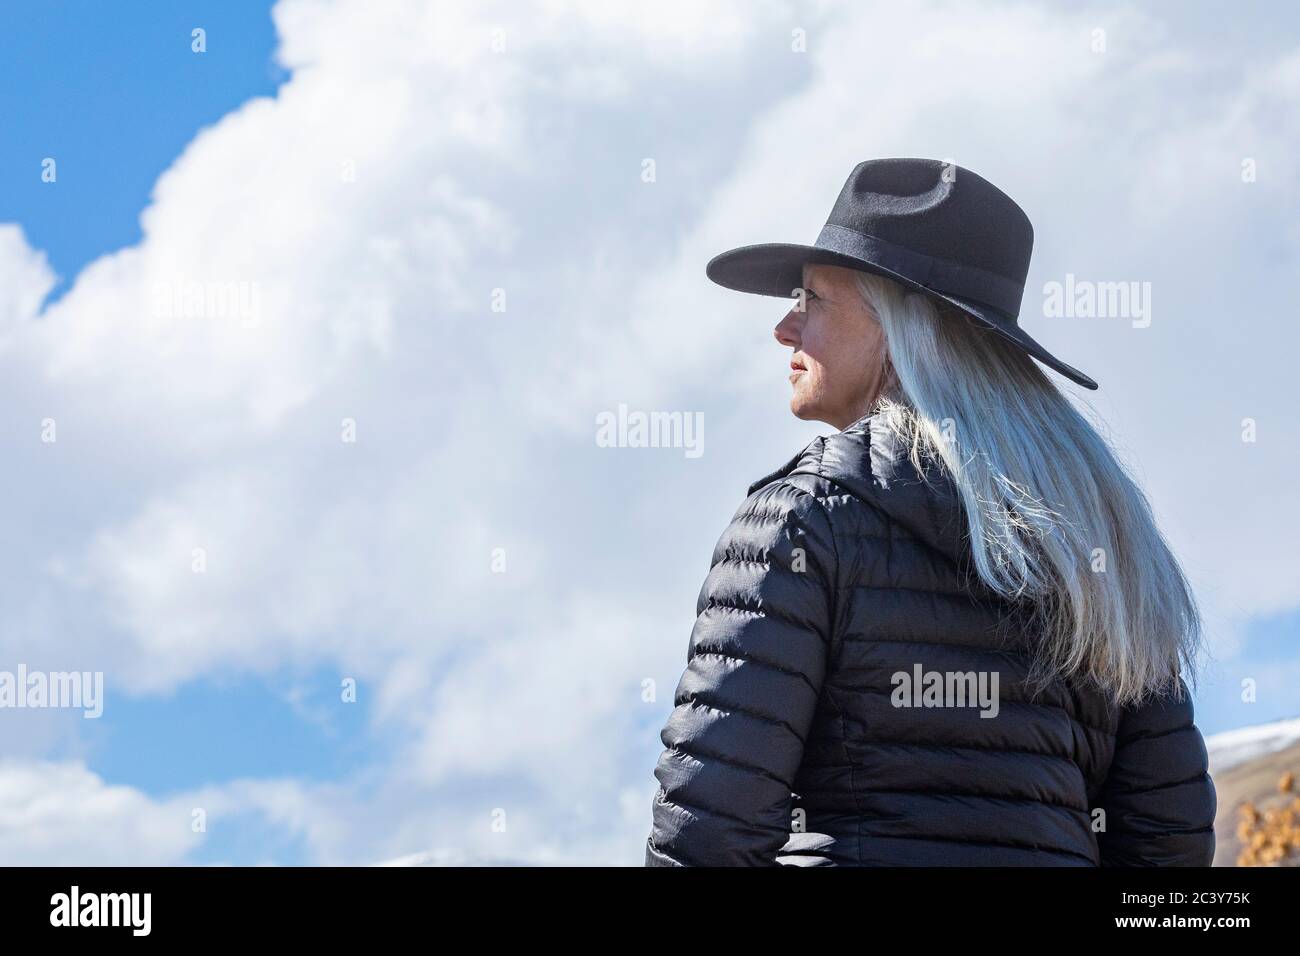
(335, 905)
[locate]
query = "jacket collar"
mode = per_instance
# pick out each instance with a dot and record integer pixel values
(870, 462)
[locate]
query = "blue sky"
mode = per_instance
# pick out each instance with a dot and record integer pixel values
(376, 179)
(114, 94)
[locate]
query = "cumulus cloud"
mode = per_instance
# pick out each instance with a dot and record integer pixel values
(61, 814)
(332, 262)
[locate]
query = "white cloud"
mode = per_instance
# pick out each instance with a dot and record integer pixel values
(61, 814)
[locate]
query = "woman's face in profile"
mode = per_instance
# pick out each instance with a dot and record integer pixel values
(838, 348)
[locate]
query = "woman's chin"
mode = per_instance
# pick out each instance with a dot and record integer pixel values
(802, 409)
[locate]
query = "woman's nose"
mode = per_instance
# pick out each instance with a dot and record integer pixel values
(787, 330)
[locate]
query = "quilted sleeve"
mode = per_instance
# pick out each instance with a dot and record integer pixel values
(1158, 797)
(754, 672)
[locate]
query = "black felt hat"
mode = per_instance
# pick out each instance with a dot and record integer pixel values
(934, 227)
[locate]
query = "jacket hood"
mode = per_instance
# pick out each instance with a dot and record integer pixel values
(871, 462)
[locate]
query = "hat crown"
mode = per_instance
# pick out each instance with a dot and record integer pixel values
(940, 210)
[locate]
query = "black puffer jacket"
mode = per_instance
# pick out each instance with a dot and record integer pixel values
(838, 572)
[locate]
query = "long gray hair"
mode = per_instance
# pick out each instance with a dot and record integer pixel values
(1054, 519)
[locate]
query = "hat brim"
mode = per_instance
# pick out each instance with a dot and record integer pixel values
(776, 269)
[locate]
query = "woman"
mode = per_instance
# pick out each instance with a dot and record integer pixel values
(951, 634)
